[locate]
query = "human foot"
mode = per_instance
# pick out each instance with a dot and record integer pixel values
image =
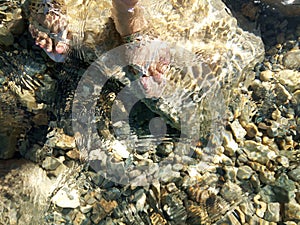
(50, 32)
(150, 58)
(128, 16)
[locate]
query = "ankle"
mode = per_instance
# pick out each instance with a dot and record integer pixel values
(128, 16)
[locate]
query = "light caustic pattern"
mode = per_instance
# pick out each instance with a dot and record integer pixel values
(188, 97)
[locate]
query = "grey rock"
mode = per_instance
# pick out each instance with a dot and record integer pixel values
(295, 174)
(267, 194)
(284, 189)
(283, 96)
(165, 149)
(97, 214)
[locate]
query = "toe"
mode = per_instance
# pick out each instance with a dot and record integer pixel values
(61, 48)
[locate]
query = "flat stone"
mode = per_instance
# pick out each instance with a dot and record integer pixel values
(66, 198)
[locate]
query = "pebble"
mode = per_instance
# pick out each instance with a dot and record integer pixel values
(257, 152)
(59, 170)
(108, 206)
(284, 189)
(291, 60)
(65, 142)
(283, 161)
(50, 163)
(229, 143)
(255, 182)
(120, 150)
(73, 154)
(86, 209)
(244, 172)
(282, 94)
(292, 211)
(230, 173)
(66, 198)
(80, 219)
(252, 130)
(97, 214)
(273, 212)
(167, 175)
(267, 177)
(238, 131)
(295, 174)
(290, 79)
(296, 97)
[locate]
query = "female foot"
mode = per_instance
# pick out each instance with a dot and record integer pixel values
(152, 58)
(49, 28)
